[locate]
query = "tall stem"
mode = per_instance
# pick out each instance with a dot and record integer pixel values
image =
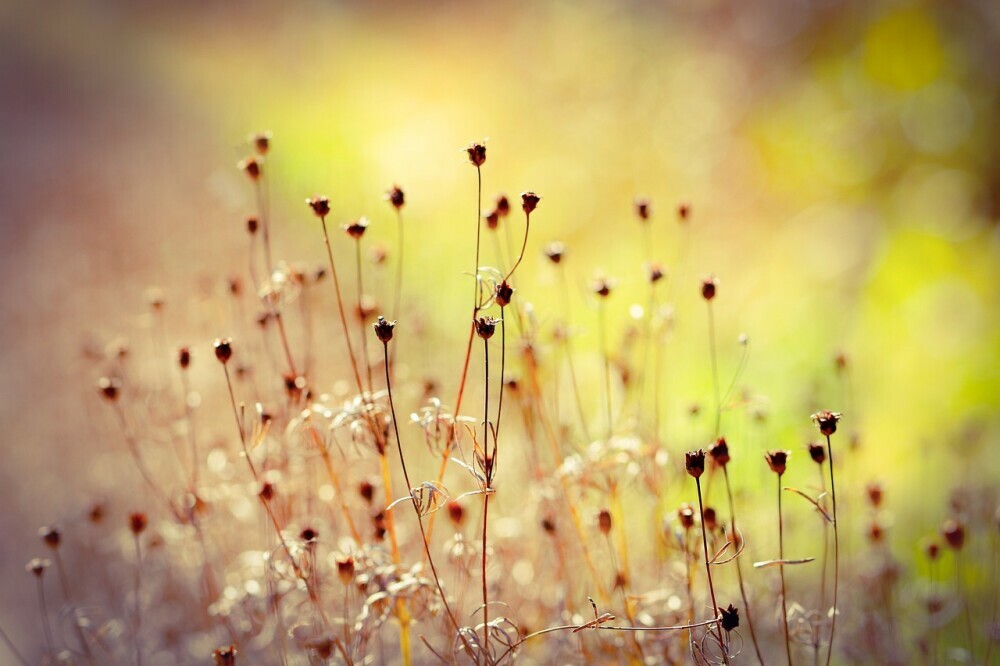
(487, 473)
(340, 308)
(607, 365)
(836, 550)
(715, 368)
(138, 601)
(12, 647)
(784, 594)
(708, 571)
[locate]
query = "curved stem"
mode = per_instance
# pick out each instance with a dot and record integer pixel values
(361, 318)
(739, 570)
(708, 570)
(524, 245)
(340, 308)
(12, 647)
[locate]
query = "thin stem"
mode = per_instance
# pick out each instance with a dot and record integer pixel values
(524, 245)
(189, 417)
(503, 364)
(715, 367)
(739, 570)
(44, 611)
(284, 342)
(784, 595)
(361, 317)
(12, 647)
(138, 600)
(133, 447)
(959, 588)
(239, 422)
(607, 365)
(401, 612)
(836, 550)
(265, 228)
(708, 570)
(487, 473)
(479, 229)
(340, 307)
(397, 299)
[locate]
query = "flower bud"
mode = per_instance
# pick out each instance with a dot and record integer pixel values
(223, 349)
(694, 463)
(777, 461)
(396, 197)
(477, 154)
(383, 329)
(529, 201)
(320, 205)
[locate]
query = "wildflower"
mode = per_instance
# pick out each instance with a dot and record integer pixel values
(694, 462)
(826, 421)
(51, 535)
(345, 569)
(719, 452)
(225, 656)
(38, 566)
(683, 212)
(529, 200)
(602, 287)
(642, 208)
(456, 512)
(708, 286)
(874, 491)
(137, 522)
(309, 535)
(383, 329)
(711, 521)
(184, 357)
(486, 327)
(477, 154)
(223, 349)
(817, 452)
(252, 225)
(492, 219)
(777, 460)
(932, 550)
(320, 205)
(549, 525)
(251, 166)
(555, 251)
(357, 228)
(504, 293)
(953, 533)
(730, 617)
(604, 521)
(395, 197)
(266, 491)
(366, 490)
(261, 141)
(503, 206)
(109, 387)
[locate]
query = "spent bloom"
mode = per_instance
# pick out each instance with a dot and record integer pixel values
(694, 462)
(529, 201)
(383, 329)
(319, 204)
(477, 153)
(826, 421)
(777, 460)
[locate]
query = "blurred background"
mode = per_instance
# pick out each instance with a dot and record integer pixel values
(839, 160)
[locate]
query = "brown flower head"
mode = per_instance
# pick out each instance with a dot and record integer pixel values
(683, 212)
(396, 197)
(777, 460)
(503, 206)
(529, 201)
(730, 617)
(486, 327)
(719, 452)
(826, 421)
(252, 167)
(383, 329)
(685, 514)
(223, 349)
(345, 569)
(708, 286)
(225, 656)
(137, 522)
(874, 491)
(711, 519)
(953, 533)
(504, 293)
(252, 225)
(110, 387)
(477, 154)
(267, 491)
(456, 512)
(932, 550)
(261, 142)
(37, 566)
(604, 521)
(51, 535)
(642, 208)
(320, 205)
(549, 525)
(555, 251)
(656, 272)
(309, 535)
(366, 490)
(817, 452)
(356, 229)
(694, 462)
(184, 357)
(602, 287)
(492, 219)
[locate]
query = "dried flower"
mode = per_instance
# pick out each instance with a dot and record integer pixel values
(252, 225)
(261, 141)
(383, 329)
(710, 518)
(477, 154)
(874, 491)
(309, 535)
(345, 569)
(320, 205)
(602, 287)
(137, 522)
(395, 197)
(184, 357)
(694, 462)
(604, 521)
(456, 512)
(503, 206)
(223, 349)
(549, 525)
(932, 550)
(719, 452)
(529, 200)
(252, 167)
(492, 219)
(110, 387)
(953, 533)
(555, 251)
(817, 452)
(367, 491)
(266, 491)
(827, 421)
(708, 286)
(683, 212)
(730, 617)
(356, 229)
(504, 293)
(685, 514)
(225, 656)
(51, 535)
(656, 272)
(642, 208)
(486, 327)
(37, 566)
(777, 460)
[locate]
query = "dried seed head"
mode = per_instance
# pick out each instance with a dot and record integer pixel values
(155, 298)
(602, 287)
(267, 491)
(37, 566)
(252, 167)
(492, 219)
(225, 656)
(642, 208)
(656, 272)
(366, 307)
(223, 349)
(708, 286)
(953, 533)
(96, 513)
(710, 518)
(503, 206)
(367, 491)
(252, 225)
(719, 452)
(932, 550)
(184, 357)
(137, 522)
(874, 492)
(777, 460)
(840, 361)
(486, 327)
(730, 617)
(261, 141)
(549, 525)
(683, 212)
(357, 228)
(685, 515)
(529, 201)
(826, 421)
(383, 329)
(875, 532)
(694, 463)
(110, 388)
(817, 452)
(456, 512)
(320, 205)
(604, 521)
(378, 522)
(345, 569)
(309, 535)
(555, 251)
(504, 293)
(396, 197)
(51, 535)
(477, 154)
(621, 580)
